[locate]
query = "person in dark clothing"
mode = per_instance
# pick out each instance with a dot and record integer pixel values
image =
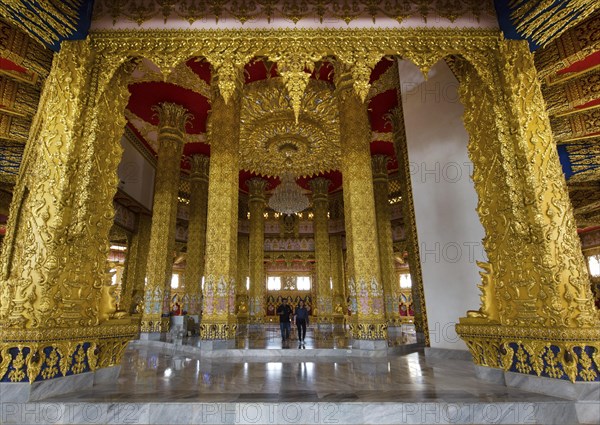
(301, 318)
(285, 317)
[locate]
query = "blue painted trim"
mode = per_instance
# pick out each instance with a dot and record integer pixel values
(565, 161)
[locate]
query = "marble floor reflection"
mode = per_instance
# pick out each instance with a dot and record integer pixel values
(269, 337)
(148, 375)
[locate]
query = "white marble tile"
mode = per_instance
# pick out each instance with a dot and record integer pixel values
(446, 354)
(107, 375)
(554, 387)
(588, 412)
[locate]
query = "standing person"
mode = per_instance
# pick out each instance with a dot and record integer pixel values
(301, 318)
(285, 316)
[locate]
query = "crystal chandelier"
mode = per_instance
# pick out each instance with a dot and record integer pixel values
(288, 197)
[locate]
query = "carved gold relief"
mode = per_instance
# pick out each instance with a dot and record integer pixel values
(295, 11)
(538, 274)
(384, 237)
(137, 260)
(63, 213)
(543, 21)
(408, 214)
(218, 320)
(575, 44)
(561, 99)
(241, 291)
(572, 354)
(43, 20)
(576, 126)
(173, 119)
(320, 190)
(271, 142)
(196, 240)
(256, 254)
(359, 211)
(28, 356)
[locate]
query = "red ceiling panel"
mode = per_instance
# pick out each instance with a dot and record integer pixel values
(586, 63)
(8, 65)
(379, 106)
(146, 95)
(200, 67)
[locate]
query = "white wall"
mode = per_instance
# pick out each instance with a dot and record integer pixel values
(136, 175)
(450, 233)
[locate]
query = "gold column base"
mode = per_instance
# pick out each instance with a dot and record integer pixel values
(28, 355)
(243, 318)
(323, 320)
(338, 319)
(561, 353)
(210, 330)
(256, 320)
(155, 325)
(394, 320)
(369, 330)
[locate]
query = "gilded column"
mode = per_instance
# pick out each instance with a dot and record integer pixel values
(196, 241)
(537, 314)
(241, 298)
(384, 236)
(218, 304)
(172, 121)
(364, 275)
(336, 255)
(409, 220)
(57, 311)
(256, 265)
(320, 191)
(136, 262)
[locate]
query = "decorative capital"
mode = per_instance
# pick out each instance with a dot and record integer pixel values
(199, 167)
(257, 188)
(228, 77)
(342, 77)
(320, 188)
(379, 164)
(356, 74)
(172, 116)
(396, 118)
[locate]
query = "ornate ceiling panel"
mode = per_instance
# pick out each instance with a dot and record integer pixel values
(271, 142)
(292, 13)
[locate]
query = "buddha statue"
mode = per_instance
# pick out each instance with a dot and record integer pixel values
(108, 308)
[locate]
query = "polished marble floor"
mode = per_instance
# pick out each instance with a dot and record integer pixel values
(318, 384)
(159, 386)
(324, 337)
(148, 375)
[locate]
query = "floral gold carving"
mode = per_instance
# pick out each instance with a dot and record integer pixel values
(320, 190)
(256, 266)
(272, 143)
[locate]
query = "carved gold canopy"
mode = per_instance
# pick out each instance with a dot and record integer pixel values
(272, 142)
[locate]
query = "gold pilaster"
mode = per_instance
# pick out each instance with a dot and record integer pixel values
(384, 236)
(256, 249)
(172, 121)
(336, 255)
(364, 277)
(196, 241)
(241, 298)
(320, 191)
(56, 305)
(137, 259)
(410, 222)
(218, 304)
(537, 313)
